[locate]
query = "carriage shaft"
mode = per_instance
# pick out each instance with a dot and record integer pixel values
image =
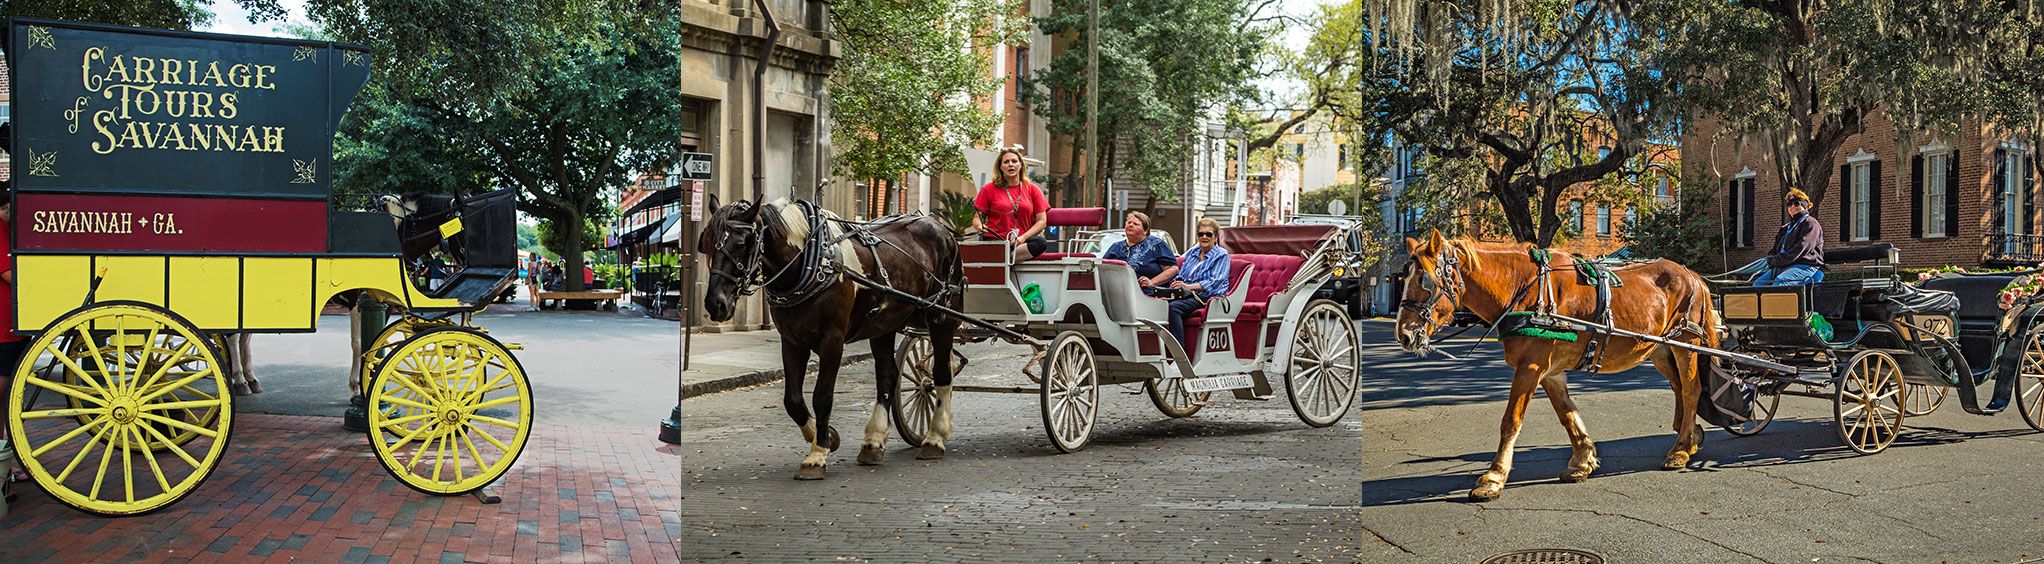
(1746, 360)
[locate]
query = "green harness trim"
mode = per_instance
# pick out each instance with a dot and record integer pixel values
(1532, 325)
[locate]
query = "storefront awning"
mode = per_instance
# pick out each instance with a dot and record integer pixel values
(674, 230)
(660, 198)
(635, 236)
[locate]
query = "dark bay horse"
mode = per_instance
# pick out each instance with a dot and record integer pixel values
(1656, 298)
(751, 244)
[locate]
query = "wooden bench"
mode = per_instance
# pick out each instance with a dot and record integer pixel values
(609, 297)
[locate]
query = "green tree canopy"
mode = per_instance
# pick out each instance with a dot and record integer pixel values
(1164, 64)
(905, 97)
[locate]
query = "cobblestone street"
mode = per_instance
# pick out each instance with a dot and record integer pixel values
(1239, 481)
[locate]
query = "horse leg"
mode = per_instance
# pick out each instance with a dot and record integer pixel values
(794, 366)
(886, 377)
(1584, 461)
(1492, 483)
(1681, 369)
(244, 364)
(939, 433)
(829, 353)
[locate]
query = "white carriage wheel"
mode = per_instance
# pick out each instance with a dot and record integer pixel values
(2030, 380)
(1170, 397)
(915, 397)
(1323, 375)
(1070, 392)
(1867, 404)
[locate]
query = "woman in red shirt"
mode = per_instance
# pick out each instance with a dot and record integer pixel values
(1012, 208)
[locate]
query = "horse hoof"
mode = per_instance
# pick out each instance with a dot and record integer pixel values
(1486, 493)
(870, 455)
(930, 452)
(1575, 477)
(1675, 462)
(830, 438)
(809, 473)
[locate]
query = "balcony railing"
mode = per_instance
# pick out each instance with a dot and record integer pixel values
(2008, 249)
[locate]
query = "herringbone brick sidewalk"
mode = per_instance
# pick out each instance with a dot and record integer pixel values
(294, 488)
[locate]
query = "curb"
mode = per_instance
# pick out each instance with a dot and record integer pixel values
(745, 379)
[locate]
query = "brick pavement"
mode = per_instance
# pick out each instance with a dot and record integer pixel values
(300, 488)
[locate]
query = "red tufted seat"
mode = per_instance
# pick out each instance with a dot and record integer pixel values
(1055, 256)
(1272, 273)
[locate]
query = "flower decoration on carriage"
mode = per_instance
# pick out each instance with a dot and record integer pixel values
(2022, 288)
(1926, 275)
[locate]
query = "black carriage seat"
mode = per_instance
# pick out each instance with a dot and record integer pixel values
(1978, 307)
(1876, 251)
(489, 243)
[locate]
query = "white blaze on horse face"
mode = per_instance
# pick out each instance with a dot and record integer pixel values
(940, 422)
(876, 426)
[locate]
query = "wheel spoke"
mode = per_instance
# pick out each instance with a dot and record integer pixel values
(492, 439)
(497, 402)
(492, 421)
(187, 381)
(150, 456)
(208, 433)
(62, 413)
(173, 447)
(66, 437)
(97, 437)
(401, 421)
(472, 450)
(406, 402)
(184, 405)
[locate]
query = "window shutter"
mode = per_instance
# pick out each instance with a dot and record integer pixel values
(1995, 186)
(1748, 199)
(1844, 203)
(1917, 215)
(1874, 201)
(2029, 188)
(1732, 208)
(1952, 195)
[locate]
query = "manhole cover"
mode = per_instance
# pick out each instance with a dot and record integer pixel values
(1546, 556)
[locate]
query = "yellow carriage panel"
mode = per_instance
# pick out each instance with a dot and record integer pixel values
(135, 278)
(48, 286)
(207, 291)
(384, 276)
(276, 294)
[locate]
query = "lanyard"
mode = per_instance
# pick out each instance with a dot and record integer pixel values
(1781, 241)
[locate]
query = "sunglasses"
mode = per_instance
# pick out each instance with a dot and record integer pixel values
(1206, 233)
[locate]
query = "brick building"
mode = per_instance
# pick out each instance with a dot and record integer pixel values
(1966, 199)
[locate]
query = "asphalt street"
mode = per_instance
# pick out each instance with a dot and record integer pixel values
(1954, 487)
(1238, 481)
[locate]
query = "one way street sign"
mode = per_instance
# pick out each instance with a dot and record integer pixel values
(695, 166)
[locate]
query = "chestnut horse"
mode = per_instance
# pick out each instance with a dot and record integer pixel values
(1655, 298)
(762, 245)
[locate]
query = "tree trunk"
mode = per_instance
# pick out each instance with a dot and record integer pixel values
(577, 236)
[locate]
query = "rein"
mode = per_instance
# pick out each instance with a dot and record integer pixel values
(1445, 281)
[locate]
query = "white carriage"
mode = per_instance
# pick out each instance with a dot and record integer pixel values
(1097, 328)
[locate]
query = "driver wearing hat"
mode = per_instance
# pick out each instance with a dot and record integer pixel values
(1798, 255)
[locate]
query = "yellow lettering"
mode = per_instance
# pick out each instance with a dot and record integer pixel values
(92, 81)
(100, 120)
(228, 107)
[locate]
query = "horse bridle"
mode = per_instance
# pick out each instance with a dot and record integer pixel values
(749, 276)
(1445, 281)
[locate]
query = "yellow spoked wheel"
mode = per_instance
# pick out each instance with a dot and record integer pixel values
(449, 411)
(148, 356)
(146, 383)
(387, 342)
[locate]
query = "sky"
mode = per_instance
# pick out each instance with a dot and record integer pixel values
(228, 17)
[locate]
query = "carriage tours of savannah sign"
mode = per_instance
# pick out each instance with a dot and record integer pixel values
(108, 121)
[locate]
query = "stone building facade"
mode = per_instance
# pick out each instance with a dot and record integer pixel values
(720, 40)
